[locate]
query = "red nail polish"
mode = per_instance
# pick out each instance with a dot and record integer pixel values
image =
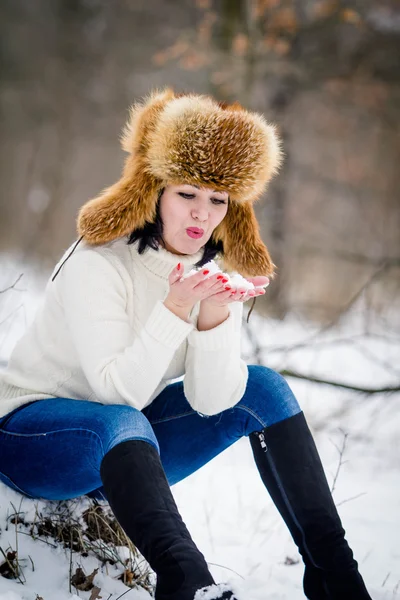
(224, 280)
(179, 266)
(221, 277)
(206, 272)
(227, 287)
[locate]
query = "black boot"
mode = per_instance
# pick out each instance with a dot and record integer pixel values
(140, 497)
(291, 470)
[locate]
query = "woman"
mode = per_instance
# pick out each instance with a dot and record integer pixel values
(86, 402)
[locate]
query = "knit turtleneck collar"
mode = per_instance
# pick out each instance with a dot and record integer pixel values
(161, 261)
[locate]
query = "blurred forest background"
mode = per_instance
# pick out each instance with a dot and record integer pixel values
(326, 71)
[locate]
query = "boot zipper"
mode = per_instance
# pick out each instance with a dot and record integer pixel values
(261, 437)
(271, 462)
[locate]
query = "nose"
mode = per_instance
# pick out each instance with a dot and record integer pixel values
(200, 213)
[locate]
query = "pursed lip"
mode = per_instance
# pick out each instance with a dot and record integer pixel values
(195, 230)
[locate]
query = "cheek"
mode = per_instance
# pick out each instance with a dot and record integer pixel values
(220, 215)
(172, 215)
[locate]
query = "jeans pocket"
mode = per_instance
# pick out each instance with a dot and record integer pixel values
(7, 481)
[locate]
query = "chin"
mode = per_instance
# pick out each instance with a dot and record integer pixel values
(187, 246)
(196, 246)
(191, 249)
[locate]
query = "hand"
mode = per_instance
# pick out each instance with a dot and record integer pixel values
(241, 295)
(184, 294)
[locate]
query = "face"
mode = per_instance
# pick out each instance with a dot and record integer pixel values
(186, 209)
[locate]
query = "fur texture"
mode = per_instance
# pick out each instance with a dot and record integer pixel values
(173, 138)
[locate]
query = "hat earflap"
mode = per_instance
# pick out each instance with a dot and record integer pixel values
(244, 250)
(127, 205)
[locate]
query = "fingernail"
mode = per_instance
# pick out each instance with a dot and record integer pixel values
(221, 277)
(179, 266)
(227, 287)
(206, 272)
(224, 280)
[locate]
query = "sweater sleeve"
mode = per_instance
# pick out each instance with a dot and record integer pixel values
(121, 366)
(215, 375)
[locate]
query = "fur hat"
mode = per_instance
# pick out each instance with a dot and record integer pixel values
(187, 138)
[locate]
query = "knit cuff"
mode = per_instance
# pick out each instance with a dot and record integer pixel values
(165, 327)
(217, 338)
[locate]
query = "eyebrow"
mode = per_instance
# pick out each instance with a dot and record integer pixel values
(199, 188)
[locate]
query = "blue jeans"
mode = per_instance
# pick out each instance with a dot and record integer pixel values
(53, 448)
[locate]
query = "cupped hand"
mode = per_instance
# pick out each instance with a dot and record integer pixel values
(185, 293)
(227, 296)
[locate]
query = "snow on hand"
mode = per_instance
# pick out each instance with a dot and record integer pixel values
(235, 280)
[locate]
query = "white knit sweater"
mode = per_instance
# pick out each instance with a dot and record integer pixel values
(103, 334)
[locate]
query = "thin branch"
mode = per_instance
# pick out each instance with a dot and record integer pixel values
(127, 591)
(384, 266)
(341, 461)
(390, 262)
(227, 568)
(346, 386)
(344, 309)
(369, 355)
(11, 314)
(12, 286)
(351, 498)
(334, 342)
(255, 346)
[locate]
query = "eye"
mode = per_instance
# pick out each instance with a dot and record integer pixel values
(189, 196)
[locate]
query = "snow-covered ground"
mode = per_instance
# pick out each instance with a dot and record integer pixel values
(225, 505)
